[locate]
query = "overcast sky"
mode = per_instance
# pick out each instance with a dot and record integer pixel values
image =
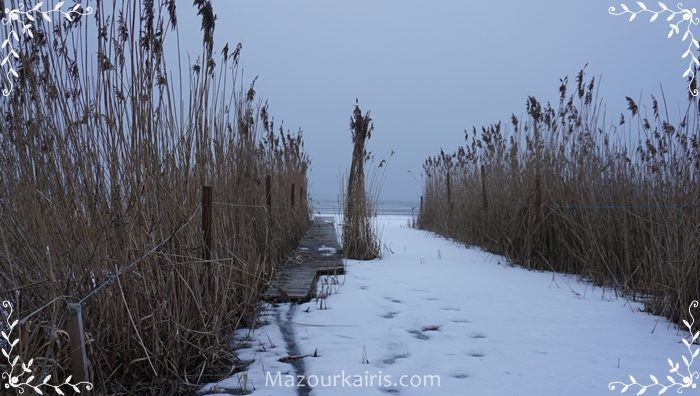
(427, 70)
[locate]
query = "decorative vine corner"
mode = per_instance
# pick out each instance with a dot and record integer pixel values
(686, 375)
(684, 19)
(19, 23)
(16, 376)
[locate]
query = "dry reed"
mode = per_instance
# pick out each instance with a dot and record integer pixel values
(558, 190)
(101, 170)
(360, 241)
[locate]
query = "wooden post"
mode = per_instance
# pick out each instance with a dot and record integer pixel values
(206, 220)
(538, 192)
(449, 189)
(268, 192)
(292, 195)
(484, 199)
(421, 204)
(78, 353)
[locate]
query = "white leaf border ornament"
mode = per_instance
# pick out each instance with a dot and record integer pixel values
(19, 22)
(17, 380)
(686, 375)
(686, 21)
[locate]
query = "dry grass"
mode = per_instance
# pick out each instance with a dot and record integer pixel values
(558, 190)
(101, 170)
(359, 240)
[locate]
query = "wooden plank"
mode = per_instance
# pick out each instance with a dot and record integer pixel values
(318, 254)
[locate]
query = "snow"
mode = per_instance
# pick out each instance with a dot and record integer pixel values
(434, 307)
(327, 250)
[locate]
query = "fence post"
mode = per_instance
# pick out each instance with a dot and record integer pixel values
(538, 192)
(484, 198)
(206, 220)
(449, 188)
(78, 353)
(292, 195)
(268, 192)
(421, 204)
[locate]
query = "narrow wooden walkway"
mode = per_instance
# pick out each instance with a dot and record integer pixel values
(318, 254)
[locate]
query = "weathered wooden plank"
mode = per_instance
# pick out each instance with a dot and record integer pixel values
(318, 254)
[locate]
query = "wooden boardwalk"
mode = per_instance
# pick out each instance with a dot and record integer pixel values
(317, 254)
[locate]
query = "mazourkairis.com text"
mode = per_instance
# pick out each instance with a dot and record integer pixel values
(346, 380)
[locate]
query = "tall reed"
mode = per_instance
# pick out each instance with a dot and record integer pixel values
(558, 190)
(360, 241)
(102, 162)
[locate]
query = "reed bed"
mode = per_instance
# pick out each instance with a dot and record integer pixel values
(102, 165)
(360, 240)
(559, 190)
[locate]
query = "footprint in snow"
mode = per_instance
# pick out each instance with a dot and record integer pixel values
(477, 354)
(390, 315)
(453, 309)
(394, 358)
(460, 375)
(418, 334)
(478, 335)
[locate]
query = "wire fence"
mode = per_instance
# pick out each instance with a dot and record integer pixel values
(112, 277)
(74, 309)
(73, 306)
(240, 205)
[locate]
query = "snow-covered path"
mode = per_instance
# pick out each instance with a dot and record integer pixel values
(433, 308)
